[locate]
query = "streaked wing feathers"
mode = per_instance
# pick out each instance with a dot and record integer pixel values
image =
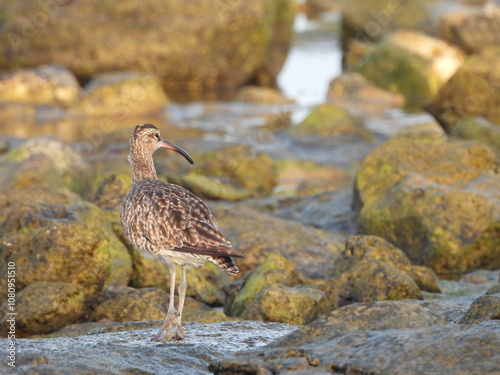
(175, 219)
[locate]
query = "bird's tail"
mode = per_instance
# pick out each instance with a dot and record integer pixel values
(226, 264)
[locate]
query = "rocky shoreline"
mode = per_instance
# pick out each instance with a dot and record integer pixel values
(371, 246)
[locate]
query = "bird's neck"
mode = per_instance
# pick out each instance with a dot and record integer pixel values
(142, 166)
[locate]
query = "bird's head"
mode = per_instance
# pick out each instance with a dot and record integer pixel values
(146, 139)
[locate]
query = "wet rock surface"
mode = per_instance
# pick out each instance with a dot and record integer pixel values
(377, 337)
(135, 351)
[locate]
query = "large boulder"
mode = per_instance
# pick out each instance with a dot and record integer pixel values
(436, 200)
(185, 44)
(413, 64)
(472, 91)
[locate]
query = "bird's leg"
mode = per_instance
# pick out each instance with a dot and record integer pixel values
(180, 334)
(182, 291)
(172, 314)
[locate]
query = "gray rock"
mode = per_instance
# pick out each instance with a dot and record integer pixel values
(390, 338)
(134, 351)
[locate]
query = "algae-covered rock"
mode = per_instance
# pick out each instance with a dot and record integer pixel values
(413, 64)
(44, 307)
(257, 236)
(74, 241)
(238, 165)
(279, 303)
(479, 129)
(435, 200)
(472, 30)
(354, 90)
(261, 95)
(359, 248)
(205, 283)
(211, 187)
(472, 91)
(373, 19)
(44, 161)
(186, 44)
(128, 304)
(482, 309)
(329, 120)
(274, 270)
(370, 280)
(121, 94)
(307, 177)
(49, 84)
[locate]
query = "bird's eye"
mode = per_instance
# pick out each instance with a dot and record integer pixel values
(157, 136)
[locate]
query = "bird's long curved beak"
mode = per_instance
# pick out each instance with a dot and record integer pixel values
(171, 146)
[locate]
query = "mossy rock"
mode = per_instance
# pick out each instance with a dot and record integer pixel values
(329, 120)
(241, 166)
(204, 317)
(471, 92)
(307, 177)
(261, 95)
(128, 304)
(121, 94)
(409, 63)
(205, 283)
(482, 309)
(275, 270)
(211, 187)
(370, 280)
(48, 85)
(74, 241)
(43, 161)
(44, 307)
(474, 31)
(279, 303)
(372, 20)
(479, 129)
(233, 42)
(435, 200)
(440, 161)
(365, 247)
(258, 236)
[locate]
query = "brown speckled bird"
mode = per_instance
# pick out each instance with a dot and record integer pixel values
(170, 224)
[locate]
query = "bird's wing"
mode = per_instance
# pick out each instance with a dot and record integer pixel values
(175, 219)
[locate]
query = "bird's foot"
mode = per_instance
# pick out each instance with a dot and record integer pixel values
(173, 317)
